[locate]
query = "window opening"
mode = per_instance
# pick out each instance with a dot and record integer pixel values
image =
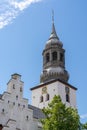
(67, 98)
(16, 97)
(67, 94)
(41, 99)
(20, 89)
(23, 106)
(67, 90)
(14, 103)
(61, 57)
(47, 57)
(54, 55)
(3, 110)
(47, 97)
(13, 86)
(18, 104)
(27, 118)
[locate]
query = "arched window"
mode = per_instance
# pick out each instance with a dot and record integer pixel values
(67, 98)
(13, 86)
(16, 97)
(61, 56)
(67, 90)
(27, 118)
(41, 99)
(54, 55)
(47, 97)
(21, 89)
(47, 57)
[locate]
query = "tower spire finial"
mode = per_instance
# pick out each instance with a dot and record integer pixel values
(53, 16)
(53, 33)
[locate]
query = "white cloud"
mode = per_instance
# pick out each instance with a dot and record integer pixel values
(84, 116)
(7, 17)
(9, 9)
(23, 4)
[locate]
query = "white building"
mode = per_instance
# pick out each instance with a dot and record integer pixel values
(15, 112)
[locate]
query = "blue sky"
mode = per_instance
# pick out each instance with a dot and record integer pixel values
(25, 26)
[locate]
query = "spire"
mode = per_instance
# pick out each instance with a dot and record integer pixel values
(53, 26)
(53, 33)
(53, 16)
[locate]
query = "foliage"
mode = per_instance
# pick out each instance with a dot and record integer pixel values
(84, 126)
(59, 117)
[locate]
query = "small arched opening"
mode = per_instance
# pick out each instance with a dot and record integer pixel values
(47, 57)
(54, 56)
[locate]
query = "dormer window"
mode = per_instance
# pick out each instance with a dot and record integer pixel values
(54, 56)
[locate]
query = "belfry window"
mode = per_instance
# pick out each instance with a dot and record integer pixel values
(47, 97)
(61, 56)
(54, 55)
(47, 57)
(41, 99)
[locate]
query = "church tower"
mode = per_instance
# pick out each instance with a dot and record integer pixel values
(54, 59)
(54, 77)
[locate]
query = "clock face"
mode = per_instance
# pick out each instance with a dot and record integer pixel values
(44, 90)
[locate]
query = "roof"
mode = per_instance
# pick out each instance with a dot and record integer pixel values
(37, 112)
(16, 74)
(52, 81)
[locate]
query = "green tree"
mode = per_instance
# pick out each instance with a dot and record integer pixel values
(84, 126)
(59, 117)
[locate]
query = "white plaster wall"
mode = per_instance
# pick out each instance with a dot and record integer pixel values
(56, 88)
(16, 109)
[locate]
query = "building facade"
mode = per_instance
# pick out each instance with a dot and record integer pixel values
(15, 112)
